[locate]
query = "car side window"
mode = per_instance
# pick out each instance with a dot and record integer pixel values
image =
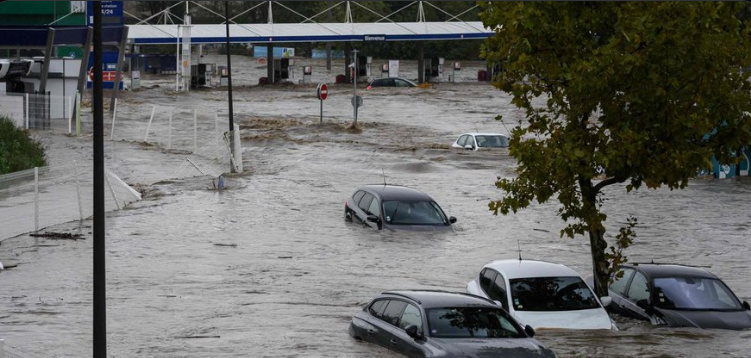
(401, 83)
(374, 208)
(471, 141)
(638, 289)
(498, 291)
(619, 284)
(461, 140)
(356, 198)
(393, 312)
(487, 276)
(376, 309)
(365, 201)
(411, 316)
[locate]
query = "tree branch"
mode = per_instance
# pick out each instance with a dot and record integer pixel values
(607, 182)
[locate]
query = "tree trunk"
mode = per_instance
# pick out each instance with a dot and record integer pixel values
(597, 243)
(597, 246)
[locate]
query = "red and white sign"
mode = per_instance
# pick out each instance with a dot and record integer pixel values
(323, 91)
(107, 76)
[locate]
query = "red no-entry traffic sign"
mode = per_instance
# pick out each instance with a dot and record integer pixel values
(323, 91)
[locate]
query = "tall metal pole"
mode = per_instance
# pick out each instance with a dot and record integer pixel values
(100, 298)
(229, 80)
(354, 80)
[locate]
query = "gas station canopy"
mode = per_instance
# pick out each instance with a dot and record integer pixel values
(311, 32)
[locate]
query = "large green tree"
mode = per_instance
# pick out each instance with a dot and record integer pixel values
(631, 87)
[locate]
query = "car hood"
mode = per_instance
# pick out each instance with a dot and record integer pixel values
(493, 347)
(595, 318)
(707, 319)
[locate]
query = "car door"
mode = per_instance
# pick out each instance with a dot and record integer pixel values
(410, 346)
(370, 330)
(638, 290)
(617, 291)
(374, 209)
(387, 325)
(362, 208)
(498, 291)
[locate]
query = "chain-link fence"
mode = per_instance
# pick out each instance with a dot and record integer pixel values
(33, 199)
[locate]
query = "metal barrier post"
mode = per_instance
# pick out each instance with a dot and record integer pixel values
(112, 191)
(2, 350)
(78, 192)
(146, 137)
(238, 150)
(36, 198)
(114, 114)
(27, 111)
(78, 114)
(195, 131)
(169, 129)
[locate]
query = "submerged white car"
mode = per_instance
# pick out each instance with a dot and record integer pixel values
(477, 141)
(542, 295)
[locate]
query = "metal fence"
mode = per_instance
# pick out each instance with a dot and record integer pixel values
(34, 199)
(200, 134)
(40, 111)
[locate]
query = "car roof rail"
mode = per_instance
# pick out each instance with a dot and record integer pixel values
(666, 263)
(395, 293)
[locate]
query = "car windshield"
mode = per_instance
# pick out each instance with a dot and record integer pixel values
(472, 322)
(693, 293)
(413, 213)
(551, 294)
(491, 141)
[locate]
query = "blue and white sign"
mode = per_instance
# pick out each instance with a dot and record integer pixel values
(112, 13)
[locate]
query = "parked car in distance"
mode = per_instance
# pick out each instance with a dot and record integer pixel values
(477, 141)
(443, 324)
(395, 207)
(391, 82)
(542, 294)
(677, 296)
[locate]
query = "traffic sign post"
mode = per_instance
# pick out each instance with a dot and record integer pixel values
(323, 93)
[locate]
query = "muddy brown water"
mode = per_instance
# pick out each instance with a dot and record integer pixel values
(269, 268)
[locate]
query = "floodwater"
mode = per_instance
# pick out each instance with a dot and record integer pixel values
(269, 268)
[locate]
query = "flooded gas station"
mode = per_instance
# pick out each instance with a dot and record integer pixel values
(268, 267)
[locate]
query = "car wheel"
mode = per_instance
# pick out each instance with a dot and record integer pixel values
(347, 216)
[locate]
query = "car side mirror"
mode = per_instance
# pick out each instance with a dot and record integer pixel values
(469, 147)
(498, 303)
(606, 301)
(529, 331)
(643, 304)
(452, 219)
(373, 219)
(746, 306)
(412, 331)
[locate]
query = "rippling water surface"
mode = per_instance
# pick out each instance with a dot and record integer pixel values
(269, 268)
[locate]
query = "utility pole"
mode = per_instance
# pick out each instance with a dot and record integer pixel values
(100, 282)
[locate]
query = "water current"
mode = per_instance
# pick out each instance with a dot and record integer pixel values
(269, 268)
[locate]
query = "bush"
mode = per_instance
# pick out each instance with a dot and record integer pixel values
(17, 150)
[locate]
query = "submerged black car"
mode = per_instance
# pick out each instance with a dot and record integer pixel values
(395, 207)
(444, 324)
(677, 296)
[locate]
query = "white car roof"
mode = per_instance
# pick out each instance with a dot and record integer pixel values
(476, 134)
(514, 268)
